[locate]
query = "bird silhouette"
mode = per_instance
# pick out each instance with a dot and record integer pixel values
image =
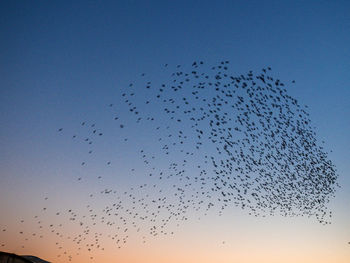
(221, 140)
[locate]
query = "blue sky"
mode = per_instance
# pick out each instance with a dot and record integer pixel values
(63, 62)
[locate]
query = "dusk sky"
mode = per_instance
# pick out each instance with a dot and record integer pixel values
(64, 67)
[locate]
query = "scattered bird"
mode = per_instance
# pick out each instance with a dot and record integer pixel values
(228, 140)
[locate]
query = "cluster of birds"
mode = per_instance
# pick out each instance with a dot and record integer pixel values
(225, 141)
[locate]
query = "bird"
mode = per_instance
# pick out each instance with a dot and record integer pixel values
(208, 139)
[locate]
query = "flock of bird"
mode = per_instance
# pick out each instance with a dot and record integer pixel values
(218, 141)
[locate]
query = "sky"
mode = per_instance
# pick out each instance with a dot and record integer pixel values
(64, 62)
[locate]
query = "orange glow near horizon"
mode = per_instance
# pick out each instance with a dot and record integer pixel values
(212, 240)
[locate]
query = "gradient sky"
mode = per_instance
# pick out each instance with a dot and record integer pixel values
(63, 62)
